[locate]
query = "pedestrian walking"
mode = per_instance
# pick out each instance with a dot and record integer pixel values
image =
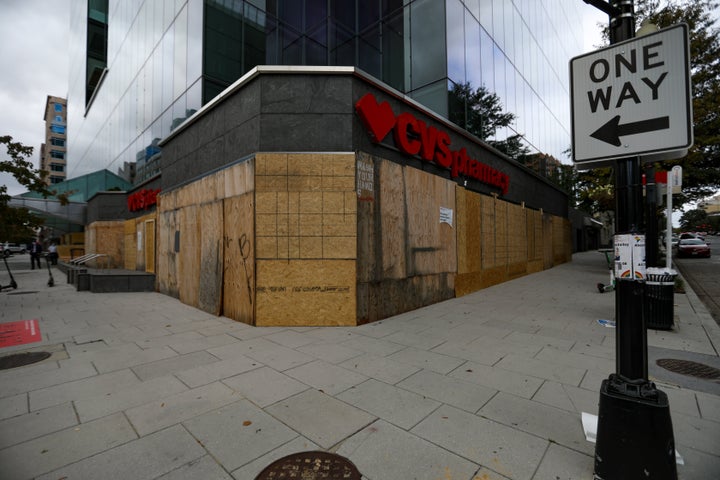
(35, 252)
(52, 253)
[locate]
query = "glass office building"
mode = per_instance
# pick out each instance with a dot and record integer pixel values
(140, 68)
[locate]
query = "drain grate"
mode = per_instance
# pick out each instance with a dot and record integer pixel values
(310, 466)
(689, 368)
(21, 359)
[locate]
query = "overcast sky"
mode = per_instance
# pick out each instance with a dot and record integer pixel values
(33, 55)
(34, 59)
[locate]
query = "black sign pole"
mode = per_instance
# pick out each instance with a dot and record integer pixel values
(634, 437)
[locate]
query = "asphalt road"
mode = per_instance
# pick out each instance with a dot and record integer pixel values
(703, 275)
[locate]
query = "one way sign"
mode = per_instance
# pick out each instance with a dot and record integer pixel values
(633, 98)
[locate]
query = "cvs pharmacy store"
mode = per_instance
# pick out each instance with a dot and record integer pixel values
(319, 196)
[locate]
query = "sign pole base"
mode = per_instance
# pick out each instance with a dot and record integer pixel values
(635, 436)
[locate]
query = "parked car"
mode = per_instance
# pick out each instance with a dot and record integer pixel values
(12, 248)
(692, 247)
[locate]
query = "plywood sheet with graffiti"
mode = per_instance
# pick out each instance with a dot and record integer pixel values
(239, 258)
(305, 292)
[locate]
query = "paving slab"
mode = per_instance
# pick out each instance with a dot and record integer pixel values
(97, 385)
(205, 468)
(329, 352)
(428, 360)
(320, 417)
(203, 343)
(69, 371)
(380, 368)
(561, 463)
(502, 449)
(538, 419)
(173, 409)
(382, 451)
(392, 404)
(464, 395)
(265, 386)
(145, 458)
(13, 406)
(219, 370)
(326, 377)
(36, 424)
(238, 433)
(92, 407)
(50, 452)
(498, 379)
(174, 364)
(538, 368)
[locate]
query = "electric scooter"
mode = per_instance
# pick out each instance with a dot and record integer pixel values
(12, 284)
(610, 262)
(51, 280)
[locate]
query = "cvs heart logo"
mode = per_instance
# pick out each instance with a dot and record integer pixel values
(378, 119)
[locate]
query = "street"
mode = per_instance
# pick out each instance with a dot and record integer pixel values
(703, 275)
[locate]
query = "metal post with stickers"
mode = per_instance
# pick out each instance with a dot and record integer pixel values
(628, 108)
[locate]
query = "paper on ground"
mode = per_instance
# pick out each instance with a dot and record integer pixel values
(590, 424)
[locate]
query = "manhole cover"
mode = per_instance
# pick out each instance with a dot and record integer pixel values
(689, 368)
(20, 359)
(310, 466)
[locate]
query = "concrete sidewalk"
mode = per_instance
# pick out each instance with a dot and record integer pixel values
(487, 386)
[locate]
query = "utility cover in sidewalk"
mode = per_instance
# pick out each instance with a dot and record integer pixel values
(21, 359)
(689, 368)
(310, 466)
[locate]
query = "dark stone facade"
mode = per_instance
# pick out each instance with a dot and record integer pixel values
(314, 111)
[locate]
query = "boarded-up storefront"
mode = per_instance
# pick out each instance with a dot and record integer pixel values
(314, 198)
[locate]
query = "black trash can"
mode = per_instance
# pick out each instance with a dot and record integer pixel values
(659, 298)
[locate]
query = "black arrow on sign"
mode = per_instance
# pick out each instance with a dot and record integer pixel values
(612, 130)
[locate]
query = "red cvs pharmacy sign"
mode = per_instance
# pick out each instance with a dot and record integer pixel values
(415, 138)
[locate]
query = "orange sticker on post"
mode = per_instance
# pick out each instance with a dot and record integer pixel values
(19, 333)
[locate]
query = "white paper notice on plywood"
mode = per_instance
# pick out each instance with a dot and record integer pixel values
(446, 215)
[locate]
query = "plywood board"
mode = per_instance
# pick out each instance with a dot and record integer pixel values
(189, 255)
(367, 240)
(211, 257)
(167, 258)
(238, 297)
(517, 235)
(129, 241)
(488, 232)
(150, 245)
(469, 222)
(393, 220)
(431, 243)
(305, 292)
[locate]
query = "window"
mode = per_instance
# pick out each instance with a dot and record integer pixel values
(60, 129)
(57, 142)
(54, 167)
(55, 180)
(57, 154)
(58, 107)
(97, 35)
(58, 118)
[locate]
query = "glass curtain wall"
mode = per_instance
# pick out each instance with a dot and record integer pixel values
(166, 58)
(152, 82)
(515, 49)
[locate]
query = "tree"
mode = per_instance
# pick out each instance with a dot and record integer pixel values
(480, 112)
(17, 224)
(694, 220)
(701, 175)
